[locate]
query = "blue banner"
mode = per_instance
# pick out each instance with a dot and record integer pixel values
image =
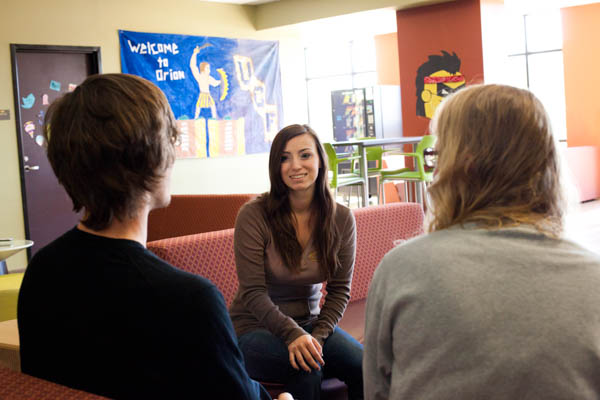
(225, 93)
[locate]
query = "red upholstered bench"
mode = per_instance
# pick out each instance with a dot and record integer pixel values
(19, 386)
(378, 230)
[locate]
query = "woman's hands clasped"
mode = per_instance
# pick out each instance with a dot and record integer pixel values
(306, 352)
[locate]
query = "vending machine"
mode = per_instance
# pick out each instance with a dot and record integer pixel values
(352, 114)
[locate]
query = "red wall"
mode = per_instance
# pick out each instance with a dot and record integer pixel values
(423, 31)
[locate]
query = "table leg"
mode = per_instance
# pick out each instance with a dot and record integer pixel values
(3, 268)
(419, 190)
(364, 174)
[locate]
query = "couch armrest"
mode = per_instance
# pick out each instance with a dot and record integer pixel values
(209, 254)
(189, 214)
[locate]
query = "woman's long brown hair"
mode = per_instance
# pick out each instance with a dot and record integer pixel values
(498, 164)
(278, 213)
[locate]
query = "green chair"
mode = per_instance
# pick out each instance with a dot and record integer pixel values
(419, 175)
(374, 154)
(337, 179)
(10, 284)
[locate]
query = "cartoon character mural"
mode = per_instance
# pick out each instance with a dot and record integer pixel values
(436, 78)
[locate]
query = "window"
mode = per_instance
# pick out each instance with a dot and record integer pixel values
(536, 62)
(344, 65)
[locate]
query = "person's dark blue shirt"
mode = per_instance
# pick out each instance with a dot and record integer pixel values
(109, 317)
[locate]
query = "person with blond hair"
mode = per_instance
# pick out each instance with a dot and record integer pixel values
(492, 303)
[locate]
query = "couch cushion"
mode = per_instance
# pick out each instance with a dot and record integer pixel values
(10, 284)
(379, 229)
(353, 320)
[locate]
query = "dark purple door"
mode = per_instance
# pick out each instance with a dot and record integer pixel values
(42, 77)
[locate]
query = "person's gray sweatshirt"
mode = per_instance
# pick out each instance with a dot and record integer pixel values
(468, 313)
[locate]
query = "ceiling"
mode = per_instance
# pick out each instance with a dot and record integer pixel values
(530, 3)
(532, 6)
(248, 2)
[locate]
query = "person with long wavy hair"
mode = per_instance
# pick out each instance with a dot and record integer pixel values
(287, 242)
(493, 303)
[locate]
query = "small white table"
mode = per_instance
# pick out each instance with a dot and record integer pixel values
(9, 249)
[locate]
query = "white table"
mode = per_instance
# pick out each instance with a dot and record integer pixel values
(362, 150)
(9, 249)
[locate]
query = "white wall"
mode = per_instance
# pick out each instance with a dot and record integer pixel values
(95, 23)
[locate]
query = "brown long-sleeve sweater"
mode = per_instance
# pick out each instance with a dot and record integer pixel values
(270, 296)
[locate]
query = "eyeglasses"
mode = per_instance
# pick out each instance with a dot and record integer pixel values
(430, 157)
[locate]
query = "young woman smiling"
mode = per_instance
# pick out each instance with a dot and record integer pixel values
(287, 242)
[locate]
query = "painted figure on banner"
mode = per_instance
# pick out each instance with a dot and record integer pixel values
(205, 81)
(437, 78)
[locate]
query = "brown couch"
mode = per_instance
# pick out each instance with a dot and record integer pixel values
(195, 213)
(378, 229)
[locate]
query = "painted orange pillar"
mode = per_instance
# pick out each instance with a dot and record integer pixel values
(580, 53)
(386, 58)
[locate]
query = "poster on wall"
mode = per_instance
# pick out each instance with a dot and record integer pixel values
(225, 93)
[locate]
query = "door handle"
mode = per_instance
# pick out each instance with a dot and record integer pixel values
(31, 168)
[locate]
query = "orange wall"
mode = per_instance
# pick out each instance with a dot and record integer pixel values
(386, 58)
(581, 52)
(423, 31)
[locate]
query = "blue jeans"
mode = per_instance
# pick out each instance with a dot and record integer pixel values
(267, 359)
